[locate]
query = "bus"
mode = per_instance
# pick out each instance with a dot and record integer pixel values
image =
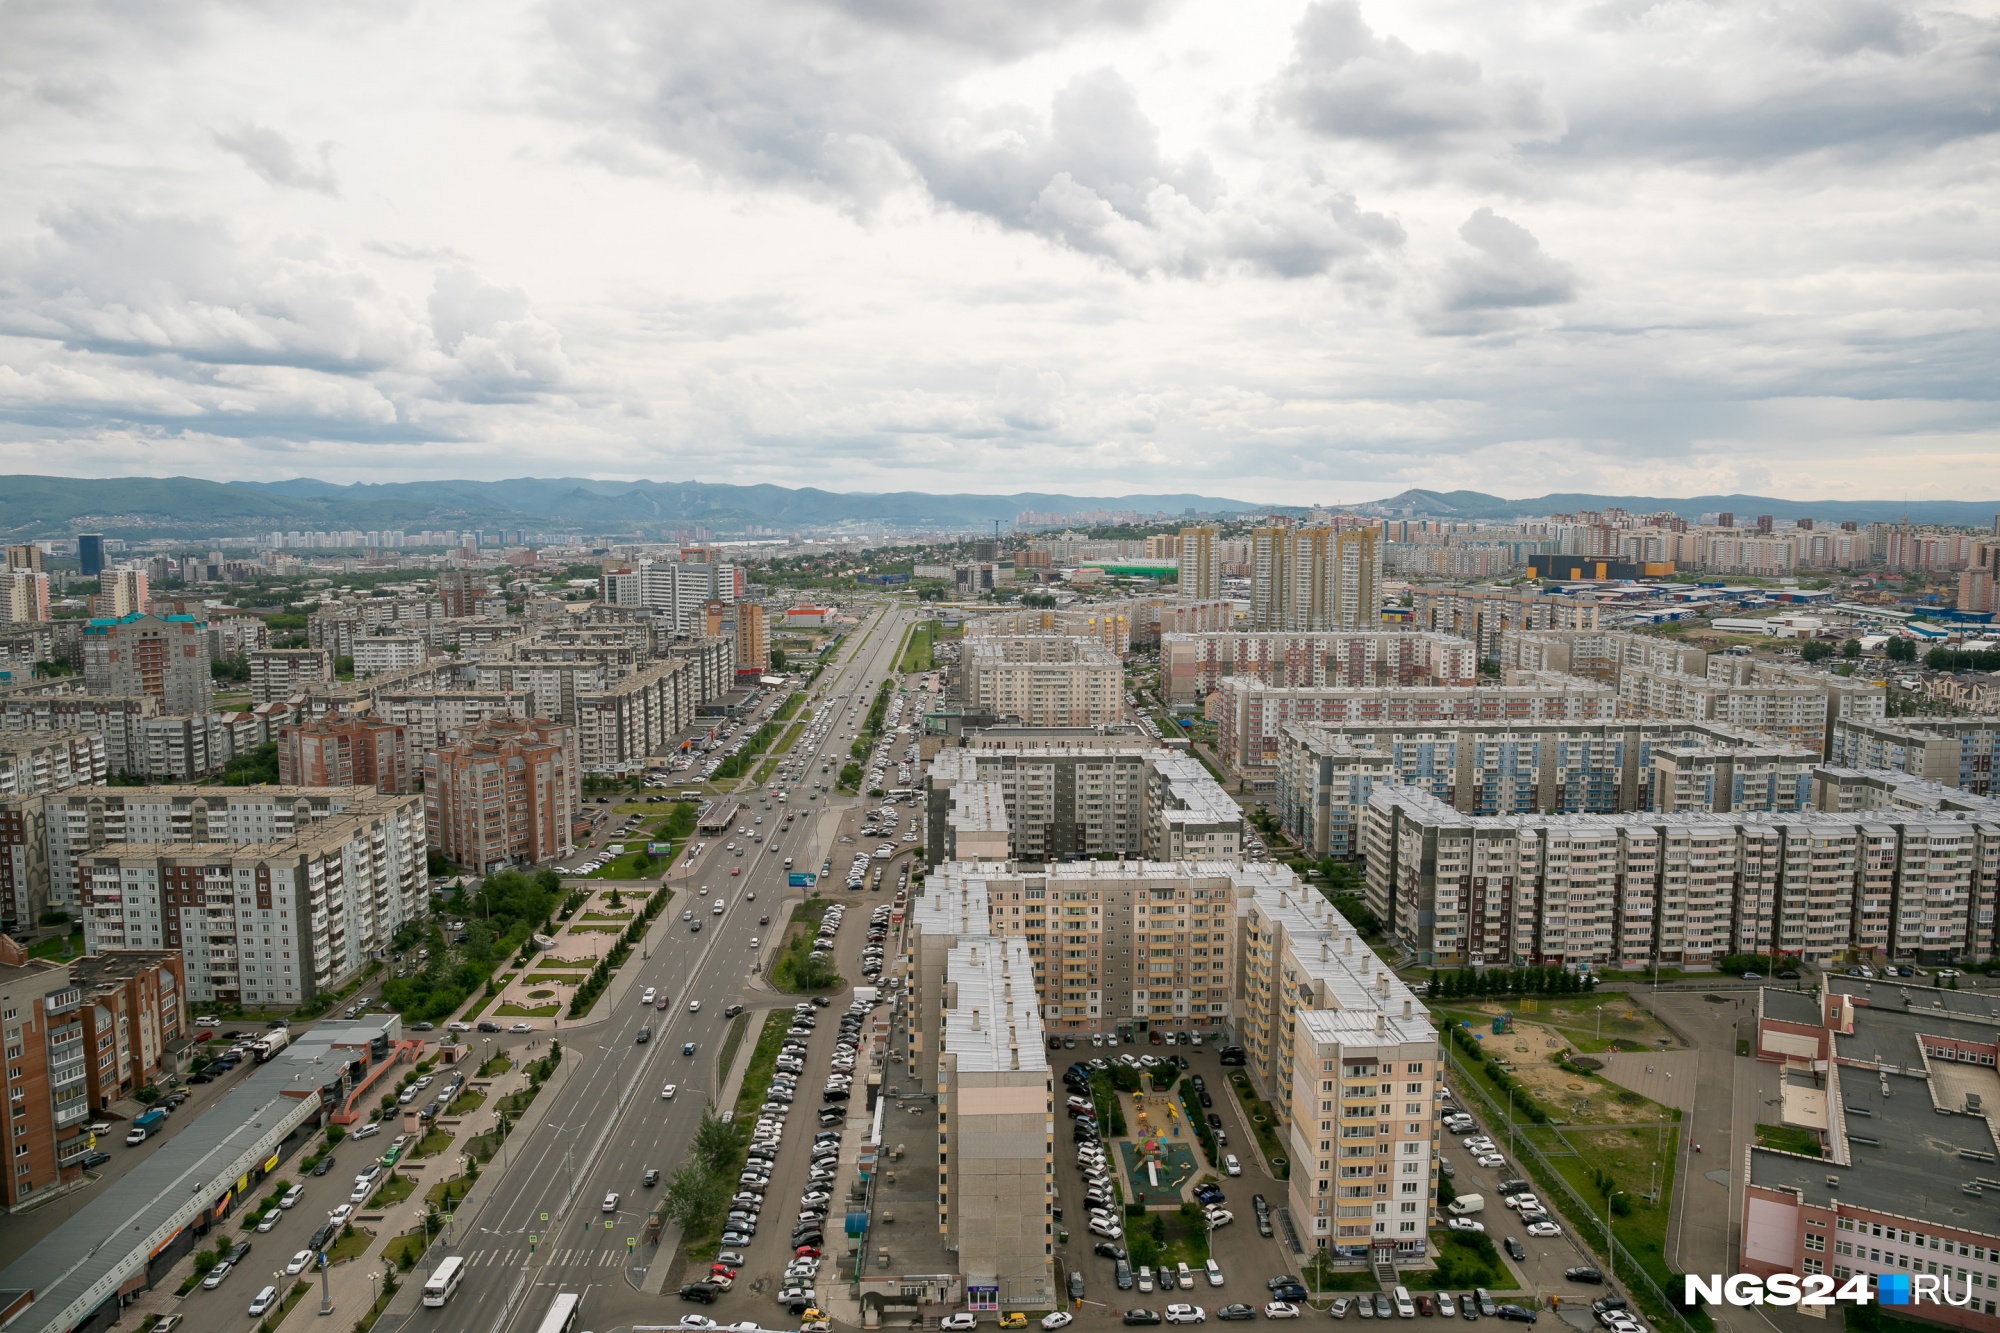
(561, 1317)
(439, 1288)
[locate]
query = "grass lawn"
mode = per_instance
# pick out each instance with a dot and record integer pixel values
(444, 1195)
(640, 864)
(1789, 1138)
(511, 1010)
(757, 1078)
(730, 1041)
(596, 930)
(351, 1245)
(52, 947)
(1464, 1260)
(432, 1144)
(495, 1067)
(466, 1102)
(405, 1250)
(392, 1191)
(1262, 1122)
(811, 913)
(292, 1297)
(917, 650)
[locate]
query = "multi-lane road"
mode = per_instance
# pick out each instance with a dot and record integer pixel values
(606, 1122)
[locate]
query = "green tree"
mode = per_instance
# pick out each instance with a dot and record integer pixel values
(1816, 652)
(1851, 648)
(695, 1195)
(715, 1143)
(777, 659)
(258, 767)
(1900, 650)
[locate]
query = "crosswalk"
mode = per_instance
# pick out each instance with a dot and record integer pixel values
(572, 1256)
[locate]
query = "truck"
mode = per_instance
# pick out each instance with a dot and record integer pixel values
(270, 1044)
(1465, 1205)
(148, 1119)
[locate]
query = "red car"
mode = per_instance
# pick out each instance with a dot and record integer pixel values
(736, 870)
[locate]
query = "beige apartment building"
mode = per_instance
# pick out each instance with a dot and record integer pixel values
(280, 673)
(1044, 680)
(506, 795)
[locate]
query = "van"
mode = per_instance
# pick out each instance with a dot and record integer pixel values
(266, 1298)
(1405, 1307)
(1214, 1273)
(1465, 1205)
(718, 907)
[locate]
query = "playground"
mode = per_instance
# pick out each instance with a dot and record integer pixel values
(1159, 1158)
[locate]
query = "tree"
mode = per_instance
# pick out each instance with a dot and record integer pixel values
(715, 1143)
(777, 659)
(1816, 652)
(695, 1195)
(1900, 650)
(1851, 648)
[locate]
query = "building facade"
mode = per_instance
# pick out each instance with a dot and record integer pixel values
(1044, 680)
(506, 795)
(1194, 665)
(163, 658)
(280, 673)
(346, 750)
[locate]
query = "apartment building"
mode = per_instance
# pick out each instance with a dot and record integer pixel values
(134, 1009)
(1326, 773)
(1349, 1061)
(1117, 624)
(34, 762)
(122, 592)
(677, 590)
(995, 1126)
(164, 658)
(1193, 665)
(1732, 779)
(269, 923)
(507, 794)
(119, 721)
(1044, 680)
(638, 717)
(280, 673)
(1900, 1098)
(1315, 578)
(382, 654)
(1032, 795)
(346, 750)
(1623, 890)
(1955, 751)
(84, 819)
(1484, 614)
(1250, 715)
(24, 597)
(1201, 569)
(47, 1130)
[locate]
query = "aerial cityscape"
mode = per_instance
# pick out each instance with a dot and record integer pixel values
(1351, 651)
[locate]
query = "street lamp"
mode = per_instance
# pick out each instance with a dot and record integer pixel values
(1609, 1256)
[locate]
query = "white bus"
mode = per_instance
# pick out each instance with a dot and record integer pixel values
(561, 1317)
(439, 1288)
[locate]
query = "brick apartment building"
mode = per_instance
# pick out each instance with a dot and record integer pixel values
(346, 750)
(507, 794)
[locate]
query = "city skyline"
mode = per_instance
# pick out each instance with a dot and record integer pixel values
(1327, 247)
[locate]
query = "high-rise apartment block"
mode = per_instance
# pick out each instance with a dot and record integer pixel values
(384, 654)
(269, 923)
(121, 592)
(47, 1079)
(677, 589)
(27, 557)
(1484, 614)
(346, 750)
(1955, 751)
(1041, 795)
(1628, 890)
(90, 554)
(1044, 680)
(1193, 665)
(506, 795)
(24, 597)
(1315, 578)
(163, 658)
(280, 673)
(1201, 567)
(753, 637)
(135, 1009)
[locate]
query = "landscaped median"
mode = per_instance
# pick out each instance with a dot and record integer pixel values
(696, 1192)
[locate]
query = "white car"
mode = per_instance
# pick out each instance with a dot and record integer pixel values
(1057, 1319)
(611, 1202)
(957, 1323)
(300, 1263)
(1281, 1310)
(1521, 1201)
(1230, 1165)
(1490, 1159)
(694, 1006)
(649, 995)
(1186, 1314)
(667, 1093)
(340, 1215)
(1465, 1224)
(1544, 1229)
(696, 1321)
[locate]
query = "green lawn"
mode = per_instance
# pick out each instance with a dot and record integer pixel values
(392, 1191)
(1789, 1138)
(52, 947)
(351, 1245)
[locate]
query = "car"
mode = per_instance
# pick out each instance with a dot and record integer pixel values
(1186, 1314)
(488, 1025)
(1339, 1307)
(957, 1323)
(694, 1006)
(340, 1215)
(1011, 1319)
(1230, 1165)
(687, 1048)
(667, 1093)
(1219, 1217)
(1515, 1250)
(1544, 1229)
(1237, 1310)
(1057, 1319)
(521, 1027)
(299, 1263)
(643, 1036)
(325, 1165)
(268, 1222)
(1281, 1310)
(1491, 1159)
(650, 994)
(1447, 1307)
(1142, 1316)
(136, 1137)
(216, 1275)
(261, 1304)
(1518, 1314)
(705, 1292)
(611, 1202)
(1583, 1273)
(1465, 1224)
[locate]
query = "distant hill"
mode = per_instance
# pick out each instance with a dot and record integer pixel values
(1476, 504)
(32, 506)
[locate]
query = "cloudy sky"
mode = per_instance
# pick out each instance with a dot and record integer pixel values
(1283, 250)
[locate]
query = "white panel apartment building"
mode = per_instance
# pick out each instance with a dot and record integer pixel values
(1689, 889)
(1191, 665)
(1044, 680)
(269, 923)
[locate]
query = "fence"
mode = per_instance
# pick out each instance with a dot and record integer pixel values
(1623, 1264)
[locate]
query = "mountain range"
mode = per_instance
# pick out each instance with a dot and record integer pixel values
(35, 506)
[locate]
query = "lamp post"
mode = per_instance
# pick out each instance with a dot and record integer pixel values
(1609, 1257)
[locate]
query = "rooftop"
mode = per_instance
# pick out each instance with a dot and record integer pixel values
(996, 1024)
(81, 1262)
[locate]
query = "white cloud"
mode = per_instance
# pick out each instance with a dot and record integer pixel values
(277, 160)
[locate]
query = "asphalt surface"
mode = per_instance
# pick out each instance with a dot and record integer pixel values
(545, 1229)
